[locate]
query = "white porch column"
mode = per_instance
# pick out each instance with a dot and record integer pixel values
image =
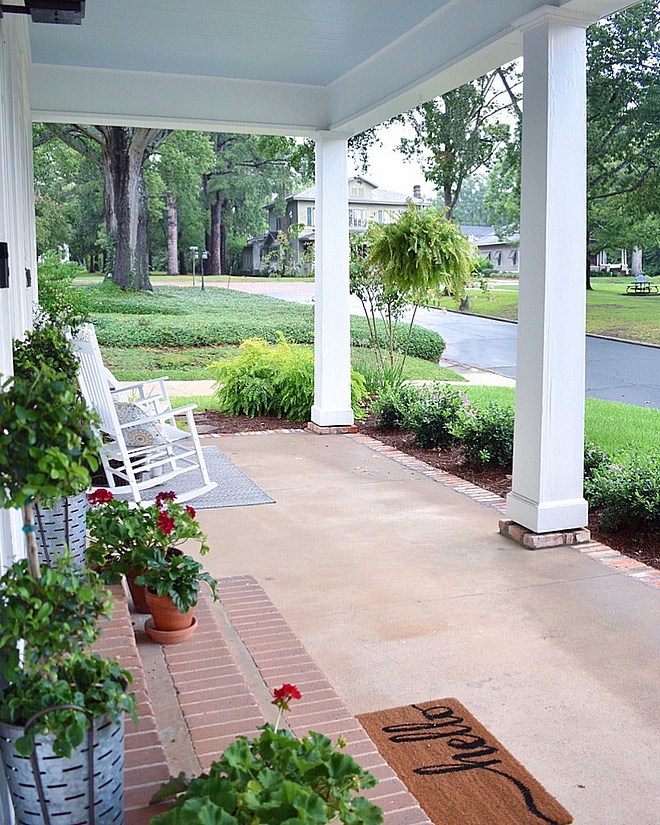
(332, 350)
(549, 434)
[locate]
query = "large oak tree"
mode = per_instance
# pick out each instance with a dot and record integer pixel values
(120, 152)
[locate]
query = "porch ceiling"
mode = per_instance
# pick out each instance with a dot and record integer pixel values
(286, 66)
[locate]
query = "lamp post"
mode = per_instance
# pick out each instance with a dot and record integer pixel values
(204, 255)
(194, 249)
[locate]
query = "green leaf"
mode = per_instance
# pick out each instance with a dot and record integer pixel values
(24, 745)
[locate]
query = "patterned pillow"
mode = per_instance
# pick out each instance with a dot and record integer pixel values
(142, 435)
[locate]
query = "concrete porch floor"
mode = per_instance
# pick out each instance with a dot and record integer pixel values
(401, 590)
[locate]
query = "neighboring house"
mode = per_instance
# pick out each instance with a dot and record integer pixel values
(503, 254)
(366, 204)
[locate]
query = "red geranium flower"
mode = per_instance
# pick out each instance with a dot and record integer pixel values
(165, 523)
(191, 511)
(161, 498)
(100, 496)
(282, 697)
(285, 694)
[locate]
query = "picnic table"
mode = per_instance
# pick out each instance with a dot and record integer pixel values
(642, 288)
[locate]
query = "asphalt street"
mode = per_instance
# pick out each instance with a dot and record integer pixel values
(615, 370)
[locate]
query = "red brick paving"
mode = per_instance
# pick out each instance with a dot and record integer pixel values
(217, 704)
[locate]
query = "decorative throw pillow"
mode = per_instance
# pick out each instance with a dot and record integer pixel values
(141, 435)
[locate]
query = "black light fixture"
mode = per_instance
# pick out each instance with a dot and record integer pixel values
(4, 265)
(65, 12)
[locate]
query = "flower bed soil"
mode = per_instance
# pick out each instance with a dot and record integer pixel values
(639, 545)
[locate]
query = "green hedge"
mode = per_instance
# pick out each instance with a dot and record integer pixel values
(186, 317)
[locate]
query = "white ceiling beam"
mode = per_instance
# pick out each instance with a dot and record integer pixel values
(70, 94)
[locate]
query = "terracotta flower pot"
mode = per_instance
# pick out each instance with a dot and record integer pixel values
(169, 637)
(138, 592)
(165, 616)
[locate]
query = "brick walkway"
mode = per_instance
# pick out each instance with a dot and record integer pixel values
(217, 703)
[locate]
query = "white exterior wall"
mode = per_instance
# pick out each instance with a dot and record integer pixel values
(549, 433)
(17, 230)
(16, 220)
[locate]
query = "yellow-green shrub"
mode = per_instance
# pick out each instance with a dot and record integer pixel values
(273, 379)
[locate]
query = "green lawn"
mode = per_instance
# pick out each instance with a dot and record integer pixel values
(611, 426)
(610, 311)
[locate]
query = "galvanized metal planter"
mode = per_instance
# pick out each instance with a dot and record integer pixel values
(63, 526)
(86, 789)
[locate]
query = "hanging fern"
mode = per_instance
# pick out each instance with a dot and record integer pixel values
(421, 252)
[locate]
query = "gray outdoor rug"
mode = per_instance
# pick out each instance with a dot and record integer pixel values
(234, 488)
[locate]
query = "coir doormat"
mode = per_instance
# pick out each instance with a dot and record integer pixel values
(458, 772)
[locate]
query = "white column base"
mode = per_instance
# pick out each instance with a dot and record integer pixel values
(547, 517)
(332, 418)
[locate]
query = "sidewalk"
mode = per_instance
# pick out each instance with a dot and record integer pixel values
(473, 375)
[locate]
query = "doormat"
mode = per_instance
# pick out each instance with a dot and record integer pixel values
(458, 772)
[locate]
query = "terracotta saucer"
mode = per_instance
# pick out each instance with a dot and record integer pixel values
(169, 637)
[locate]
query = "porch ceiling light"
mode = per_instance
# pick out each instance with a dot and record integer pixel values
(65, 12)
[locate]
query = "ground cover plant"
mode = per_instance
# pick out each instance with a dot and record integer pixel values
(186, 317)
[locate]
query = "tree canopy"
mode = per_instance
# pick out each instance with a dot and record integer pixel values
(461, 131)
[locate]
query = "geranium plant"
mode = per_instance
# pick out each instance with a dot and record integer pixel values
(127, 536)
(176, 576)
(275, 778)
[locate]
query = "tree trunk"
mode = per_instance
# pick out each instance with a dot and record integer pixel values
(172, 236)
(224, 269)
(636, 262)
(588, 271)
(183, 268)
(216, 222)
(447, 194)
(125, 203)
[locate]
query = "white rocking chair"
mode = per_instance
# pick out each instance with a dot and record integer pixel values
(143, 447)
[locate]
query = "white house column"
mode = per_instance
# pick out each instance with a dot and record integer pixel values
(549, 434)
(332, 350)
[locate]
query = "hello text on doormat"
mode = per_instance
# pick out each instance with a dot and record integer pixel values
(458, 772)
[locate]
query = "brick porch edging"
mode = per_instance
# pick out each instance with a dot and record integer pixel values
(218, 705)
(280, 657)
(145, 766)
(594, 549)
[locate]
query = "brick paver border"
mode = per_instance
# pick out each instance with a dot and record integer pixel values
(218, 705)
(595, 550)
(280, 657)
(145, 766)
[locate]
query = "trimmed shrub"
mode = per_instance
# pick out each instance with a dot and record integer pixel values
(150, 328)
(266, 379)
(629, 494)
(185, 317)
(594, 459)
(434, 415)
(486, 435)
(393, 404)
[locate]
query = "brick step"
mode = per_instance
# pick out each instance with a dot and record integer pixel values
(222, 680)
(280, 657)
